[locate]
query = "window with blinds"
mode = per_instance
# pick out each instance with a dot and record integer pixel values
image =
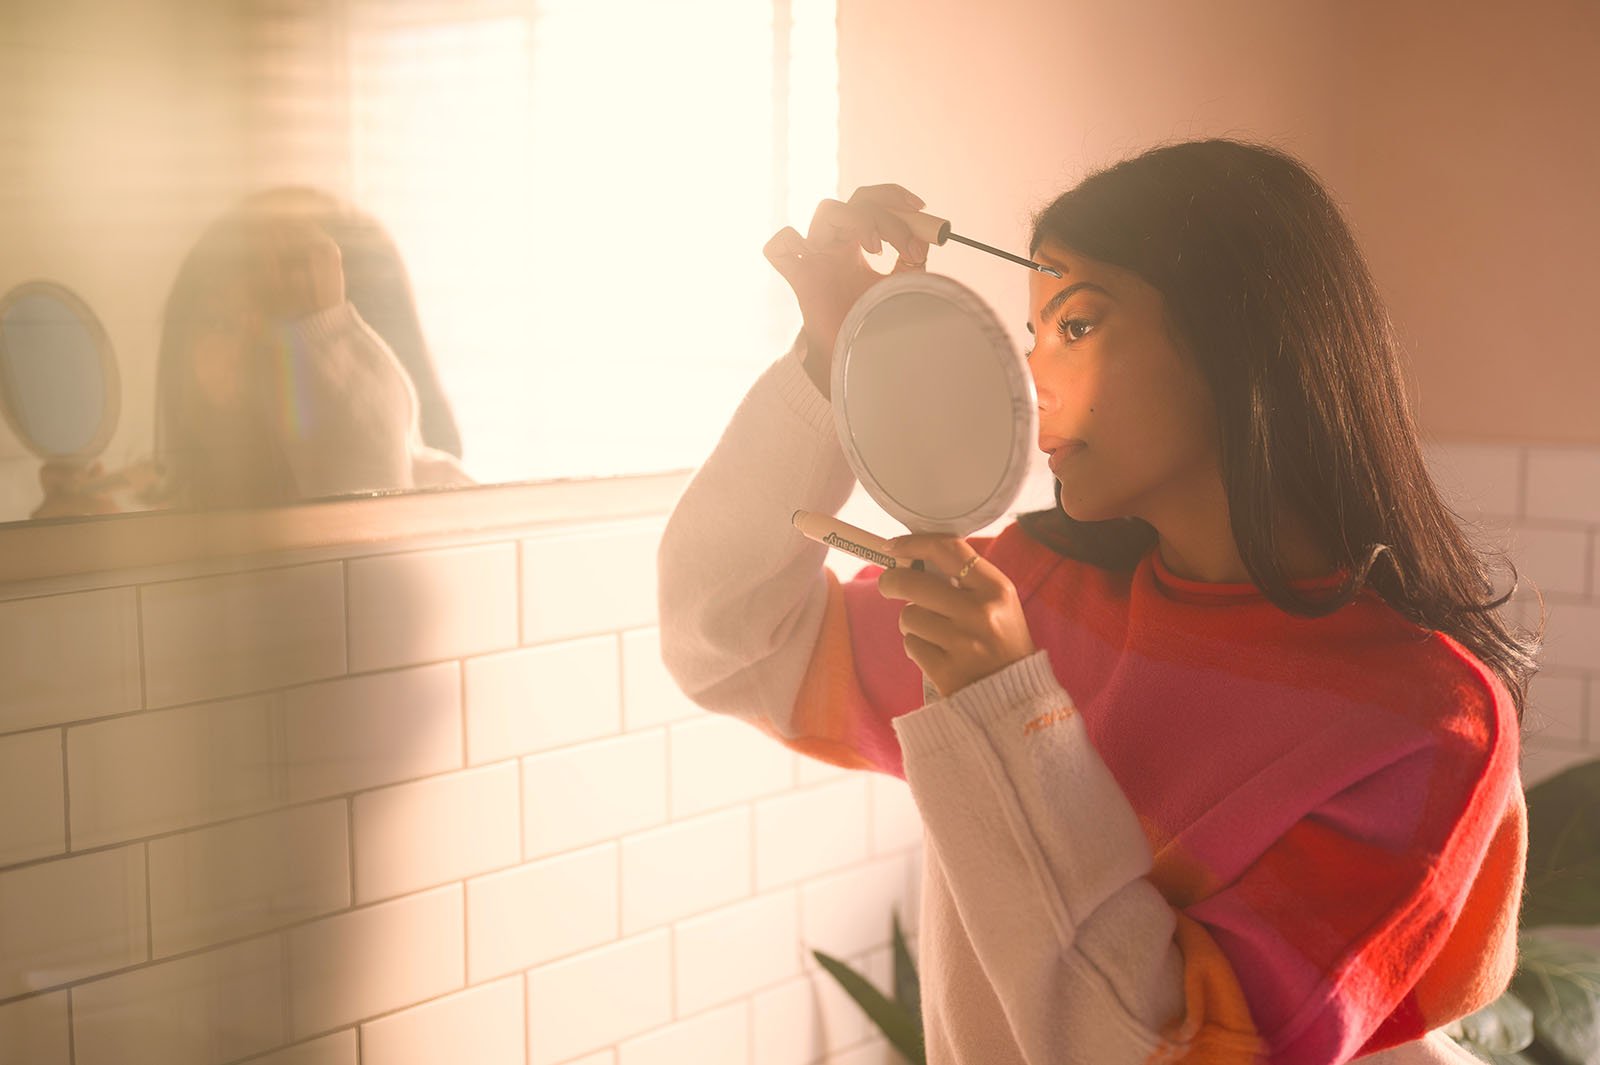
(581, 190)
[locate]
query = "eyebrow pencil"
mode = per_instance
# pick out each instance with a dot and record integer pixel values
(937, 230)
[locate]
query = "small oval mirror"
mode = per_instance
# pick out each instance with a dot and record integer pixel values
(59, 387)
(934, 407)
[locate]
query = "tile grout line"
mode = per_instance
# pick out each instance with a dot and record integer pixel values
(522, 617)
(522, 810)
(149, 911)
(344, 607)
(66, 796)
(350, 847)
(527, 1021)
(139, 648)
(462, 709)
(466, 762)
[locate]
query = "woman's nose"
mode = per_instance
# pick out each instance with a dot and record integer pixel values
(1043, 391)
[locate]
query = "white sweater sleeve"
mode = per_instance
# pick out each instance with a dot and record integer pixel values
(348, 414)
(1045, 862)
(741, 592)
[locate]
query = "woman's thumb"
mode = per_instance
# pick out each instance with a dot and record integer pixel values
(784, 249)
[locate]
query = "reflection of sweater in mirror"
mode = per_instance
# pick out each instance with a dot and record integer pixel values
(1190, 827)
(349, 418)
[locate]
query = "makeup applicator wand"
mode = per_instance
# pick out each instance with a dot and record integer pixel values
(925, 226)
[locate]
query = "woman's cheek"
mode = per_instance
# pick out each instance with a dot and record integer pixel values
(218, 365)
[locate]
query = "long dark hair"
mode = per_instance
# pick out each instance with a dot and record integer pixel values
(210, 455)
(1265, 288)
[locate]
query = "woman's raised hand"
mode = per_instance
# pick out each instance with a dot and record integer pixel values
(828, 269)
(297, 269)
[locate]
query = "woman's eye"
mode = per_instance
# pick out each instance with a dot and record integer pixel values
(1075, 328)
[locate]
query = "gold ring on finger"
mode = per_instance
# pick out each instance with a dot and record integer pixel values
(973, 561)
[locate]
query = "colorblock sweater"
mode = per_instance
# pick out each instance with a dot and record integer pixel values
(1190, 827)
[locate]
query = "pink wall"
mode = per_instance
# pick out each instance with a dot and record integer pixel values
(1466, 150)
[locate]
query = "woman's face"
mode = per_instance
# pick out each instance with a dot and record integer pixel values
(223, 344)
(1125, 416)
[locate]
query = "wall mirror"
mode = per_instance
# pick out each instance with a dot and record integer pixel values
(531, 247)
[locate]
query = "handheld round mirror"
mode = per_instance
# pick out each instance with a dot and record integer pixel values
(59, 387)
(934, 407)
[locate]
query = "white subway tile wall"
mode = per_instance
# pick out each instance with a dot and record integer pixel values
(1541, 506)
(33, 796)
(340, 1048)
(68, 658)
(541, 911)
(239, 878)
(36, 1030)
(483, 1025)
(446, 804)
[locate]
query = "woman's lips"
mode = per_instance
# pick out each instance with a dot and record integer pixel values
(1063, 451)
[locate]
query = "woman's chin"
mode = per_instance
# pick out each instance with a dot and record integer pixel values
(1079, 511)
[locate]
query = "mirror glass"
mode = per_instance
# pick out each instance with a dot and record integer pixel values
(359, 246)
(934, 405)
(58, 379)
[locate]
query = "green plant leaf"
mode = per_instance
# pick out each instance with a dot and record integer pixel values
(1563, 875)
(1504, 1026)
(891, 1018)
(1560, 982)
(907, 989)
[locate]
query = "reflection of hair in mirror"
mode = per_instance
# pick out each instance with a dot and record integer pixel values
(231, 382)
(1265, 288)
(213, 441)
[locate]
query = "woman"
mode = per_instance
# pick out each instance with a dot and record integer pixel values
(1223, 766)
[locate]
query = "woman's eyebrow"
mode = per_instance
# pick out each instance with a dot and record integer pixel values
(1054, 302)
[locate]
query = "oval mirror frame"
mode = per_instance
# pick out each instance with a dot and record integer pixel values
(901, 409)
(110, 379)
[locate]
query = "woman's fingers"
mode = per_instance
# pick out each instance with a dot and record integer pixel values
(827, 268)
(932, 590)
(931, 627)
(932, 659)
(949, 555)
(842, 227)
(887, 206)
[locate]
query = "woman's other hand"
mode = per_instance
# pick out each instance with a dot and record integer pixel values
(828, 269)
(958, 628)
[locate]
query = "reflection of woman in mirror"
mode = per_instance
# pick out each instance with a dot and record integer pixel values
(1223, 762)
(271, 386)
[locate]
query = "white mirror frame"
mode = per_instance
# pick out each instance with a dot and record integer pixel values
(1008, 362)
